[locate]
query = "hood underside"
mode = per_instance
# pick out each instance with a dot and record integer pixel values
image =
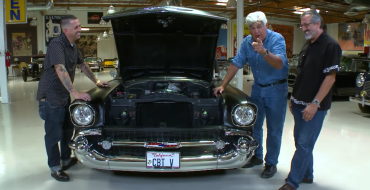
(170, 41)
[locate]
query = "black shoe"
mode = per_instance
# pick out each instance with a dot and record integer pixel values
(304, 180)
(253, 162)
(60, 175)
(269, 171)
(71, 163)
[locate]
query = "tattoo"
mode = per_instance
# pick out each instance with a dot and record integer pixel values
(86, 69)
(64, 77)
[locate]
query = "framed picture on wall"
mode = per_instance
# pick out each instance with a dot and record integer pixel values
(94, 17)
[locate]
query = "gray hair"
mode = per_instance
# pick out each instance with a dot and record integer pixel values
(65, 22)
(316, 17)
(257, 16)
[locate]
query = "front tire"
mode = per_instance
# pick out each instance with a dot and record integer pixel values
(24, 75)
(364, 109)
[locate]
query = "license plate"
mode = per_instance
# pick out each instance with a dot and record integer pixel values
(163, 160)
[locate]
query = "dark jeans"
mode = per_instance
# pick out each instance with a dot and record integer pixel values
(272, 104)
(305, 136)
(58, 127)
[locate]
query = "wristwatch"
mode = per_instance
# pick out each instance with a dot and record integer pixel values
(97, 82)
(316, 102)
(266, 52)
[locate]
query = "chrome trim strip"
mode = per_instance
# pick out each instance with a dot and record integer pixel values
(236, 132)
(145, 144)
(88, 132)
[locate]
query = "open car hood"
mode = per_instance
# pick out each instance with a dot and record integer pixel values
(166, 41)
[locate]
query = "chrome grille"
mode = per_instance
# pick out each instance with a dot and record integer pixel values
(166, 135)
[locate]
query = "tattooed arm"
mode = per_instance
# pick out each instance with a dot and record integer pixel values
(87, 71)
(66, 81)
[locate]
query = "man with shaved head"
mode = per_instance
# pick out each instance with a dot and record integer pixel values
(54, 90)
(265, 52)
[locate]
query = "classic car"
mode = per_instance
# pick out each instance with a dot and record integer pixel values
(350, 67)
(109, 62)
(34, 68)
(160, 114)
(293, 65)
(221, 51)
(95, 63)
(362, 97)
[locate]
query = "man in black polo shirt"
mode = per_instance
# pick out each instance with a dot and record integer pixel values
(54, 91)
(311, 97)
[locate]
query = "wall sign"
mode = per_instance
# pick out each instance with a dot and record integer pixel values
(15, 11)
(52, 27)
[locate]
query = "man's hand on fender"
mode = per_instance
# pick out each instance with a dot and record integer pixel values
(103, 84)
(258, 47)
(217, 90)
(81, 96)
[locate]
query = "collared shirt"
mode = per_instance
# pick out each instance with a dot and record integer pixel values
(60, 51)
(263, 72)
(316, 61)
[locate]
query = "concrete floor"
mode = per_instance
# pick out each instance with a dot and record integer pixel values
(341, 153)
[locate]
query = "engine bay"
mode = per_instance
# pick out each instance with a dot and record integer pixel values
(148, 89)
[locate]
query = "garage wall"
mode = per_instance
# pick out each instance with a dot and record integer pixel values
(106, 47)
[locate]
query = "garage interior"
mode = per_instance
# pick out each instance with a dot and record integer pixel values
(340, 154)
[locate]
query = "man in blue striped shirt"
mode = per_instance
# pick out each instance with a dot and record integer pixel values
(265, 52)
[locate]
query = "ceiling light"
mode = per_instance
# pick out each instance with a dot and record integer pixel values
(222, 4)
(105, 35)
(33, 22)
(224, 26)
(111, 10)
(349, 30)
(223, 1)
(102, 22)
(110, 31)
(85, 29)
(231, 4)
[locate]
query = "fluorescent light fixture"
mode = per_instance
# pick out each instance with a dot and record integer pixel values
(222, 4)
(302, 10)
(223, 1)
(85, 29)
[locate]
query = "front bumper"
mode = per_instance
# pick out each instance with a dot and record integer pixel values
(236, 158)
(362, 100)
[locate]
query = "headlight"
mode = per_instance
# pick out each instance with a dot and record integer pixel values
(243, 115)
(360, 80)
(82, 115)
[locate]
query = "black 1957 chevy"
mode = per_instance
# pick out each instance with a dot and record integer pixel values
(160, 114)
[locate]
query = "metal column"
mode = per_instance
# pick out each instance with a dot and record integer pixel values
(3, 74)
(239, 37)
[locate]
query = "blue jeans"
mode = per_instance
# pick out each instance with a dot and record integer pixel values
(305, 136)
(272, 104)
(58, 127)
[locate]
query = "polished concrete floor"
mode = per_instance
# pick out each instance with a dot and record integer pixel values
(341, 154)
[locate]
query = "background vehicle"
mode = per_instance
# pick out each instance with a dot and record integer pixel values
(95, 63)
(34, 68)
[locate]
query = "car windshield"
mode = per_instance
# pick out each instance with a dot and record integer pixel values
(360, 66)
(89, 59)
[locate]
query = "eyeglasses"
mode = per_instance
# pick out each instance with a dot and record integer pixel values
(305, 25)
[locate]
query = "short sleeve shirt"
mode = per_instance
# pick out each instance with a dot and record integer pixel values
(316, 61)
(60, 51)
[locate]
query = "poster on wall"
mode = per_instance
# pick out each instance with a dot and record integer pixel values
(87, 45)
(288, 33)
(52, 27)
(21, 44)
(367, 35)
(353, 39)
(221, 50)
(94, 17)
(246, 33)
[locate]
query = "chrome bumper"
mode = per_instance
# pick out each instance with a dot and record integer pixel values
(362, 101)
(231, 160)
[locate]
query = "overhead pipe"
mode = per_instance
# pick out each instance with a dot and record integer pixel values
(41, 8)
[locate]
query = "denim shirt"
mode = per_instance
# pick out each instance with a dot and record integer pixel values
(263, 72)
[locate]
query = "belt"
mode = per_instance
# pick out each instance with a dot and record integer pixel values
(273, 84)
